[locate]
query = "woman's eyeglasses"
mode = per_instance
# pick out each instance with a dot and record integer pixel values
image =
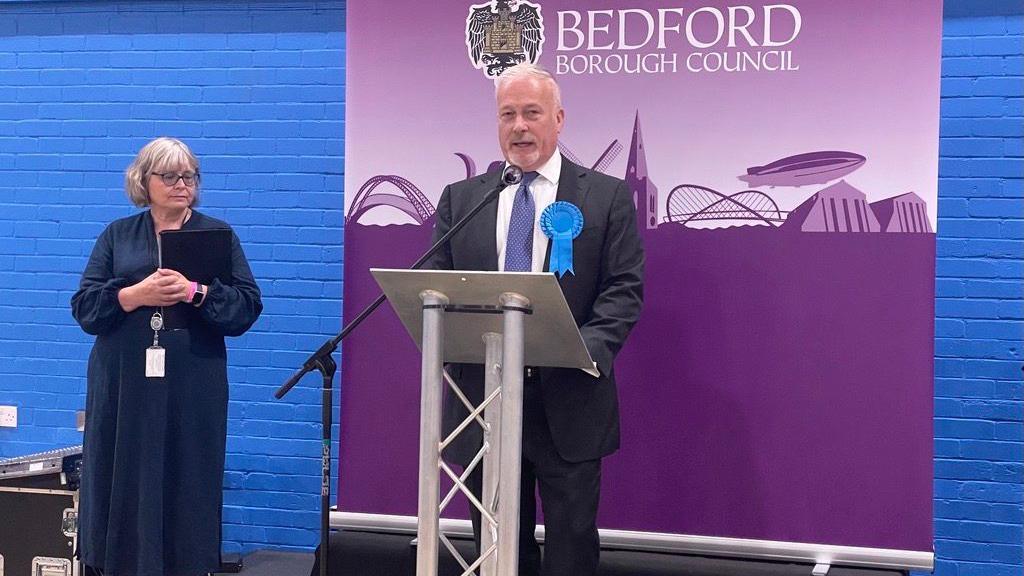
(171, 178)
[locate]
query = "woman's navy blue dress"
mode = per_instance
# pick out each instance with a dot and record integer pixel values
(153, 455)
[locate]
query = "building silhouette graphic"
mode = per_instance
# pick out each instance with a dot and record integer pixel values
(645, 193)
(903, 213)
(836, 208)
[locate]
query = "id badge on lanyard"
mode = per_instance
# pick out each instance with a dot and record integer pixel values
(155, 354)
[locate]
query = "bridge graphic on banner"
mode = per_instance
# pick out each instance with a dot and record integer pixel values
(689, 203)
(411, 201)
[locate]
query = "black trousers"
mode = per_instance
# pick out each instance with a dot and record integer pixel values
(569, 495)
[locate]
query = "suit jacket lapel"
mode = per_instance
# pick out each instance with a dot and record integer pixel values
(572, 188)
(487, 221)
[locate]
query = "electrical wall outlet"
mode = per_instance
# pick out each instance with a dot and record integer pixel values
(8, 416)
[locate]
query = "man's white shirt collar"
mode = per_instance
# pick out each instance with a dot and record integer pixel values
(552, 169)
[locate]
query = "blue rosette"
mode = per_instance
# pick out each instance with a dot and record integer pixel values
(561, 222)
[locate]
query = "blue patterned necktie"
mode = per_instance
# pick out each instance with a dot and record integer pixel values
(519, 245)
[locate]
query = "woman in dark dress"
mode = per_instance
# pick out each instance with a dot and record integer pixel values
(153, 456)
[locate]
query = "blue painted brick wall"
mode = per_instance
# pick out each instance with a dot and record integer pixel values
(257, 90)
(979, 324)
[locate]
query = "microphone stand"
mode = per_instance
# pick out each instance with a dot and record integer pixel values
(321, 360)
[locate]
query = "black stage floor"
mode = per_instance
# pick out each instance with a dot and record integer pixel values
(274, 563)
(355, 553)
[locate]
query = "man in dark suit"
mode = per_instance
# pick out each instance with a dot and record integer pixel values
(570, 418)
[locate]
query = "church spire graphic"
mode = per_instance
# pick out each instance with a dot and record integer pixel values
(645, 193)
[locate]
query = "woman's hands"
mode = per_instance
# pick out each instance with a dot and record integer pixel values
(164, 287)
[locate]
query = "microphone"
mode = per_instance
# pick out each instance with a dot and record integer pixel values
(512, 175)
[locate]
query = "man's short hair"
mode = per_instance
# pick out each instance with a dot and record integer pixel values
(527, 70)
(159, 155)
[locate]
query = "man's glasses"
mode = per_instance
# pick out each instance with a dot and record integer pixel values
(171, 178)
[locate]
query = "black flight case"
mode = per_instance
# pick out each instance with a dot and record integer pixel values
(39, 513)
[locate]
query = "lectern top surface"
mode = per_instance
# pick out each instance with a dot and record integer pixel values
(551, 335)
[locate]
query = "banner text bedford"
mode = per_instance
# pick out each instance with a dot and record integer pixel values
(705, 27)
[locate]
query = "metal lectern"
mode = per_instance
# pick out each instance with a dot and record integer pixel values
(503, 320)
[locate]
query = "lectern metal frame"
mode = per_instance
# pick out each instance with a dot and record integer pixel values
(449, 314)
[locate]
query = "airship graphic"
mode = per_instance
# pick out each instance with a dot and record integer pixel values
(802, 169)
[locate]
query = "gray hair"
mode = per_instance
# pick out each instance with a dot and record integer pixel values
(159, 155)
(528, 70)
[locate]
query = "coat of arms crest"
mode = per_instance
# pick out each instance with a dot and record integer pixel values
(503, 33)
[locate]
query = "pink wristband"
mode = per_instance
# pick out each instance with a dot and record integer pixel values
(192, 287)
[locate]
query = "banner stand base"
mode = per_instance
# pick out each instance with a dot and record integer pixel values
(768, 550)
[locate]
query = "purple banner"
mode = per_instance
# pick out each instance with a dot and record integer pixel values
(783, 157)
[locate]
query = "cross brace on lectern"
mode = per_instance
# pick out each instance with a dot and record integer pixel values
(504, 321)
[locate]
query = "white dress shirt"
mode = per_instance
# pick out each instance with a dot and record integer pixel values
(544, 189)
